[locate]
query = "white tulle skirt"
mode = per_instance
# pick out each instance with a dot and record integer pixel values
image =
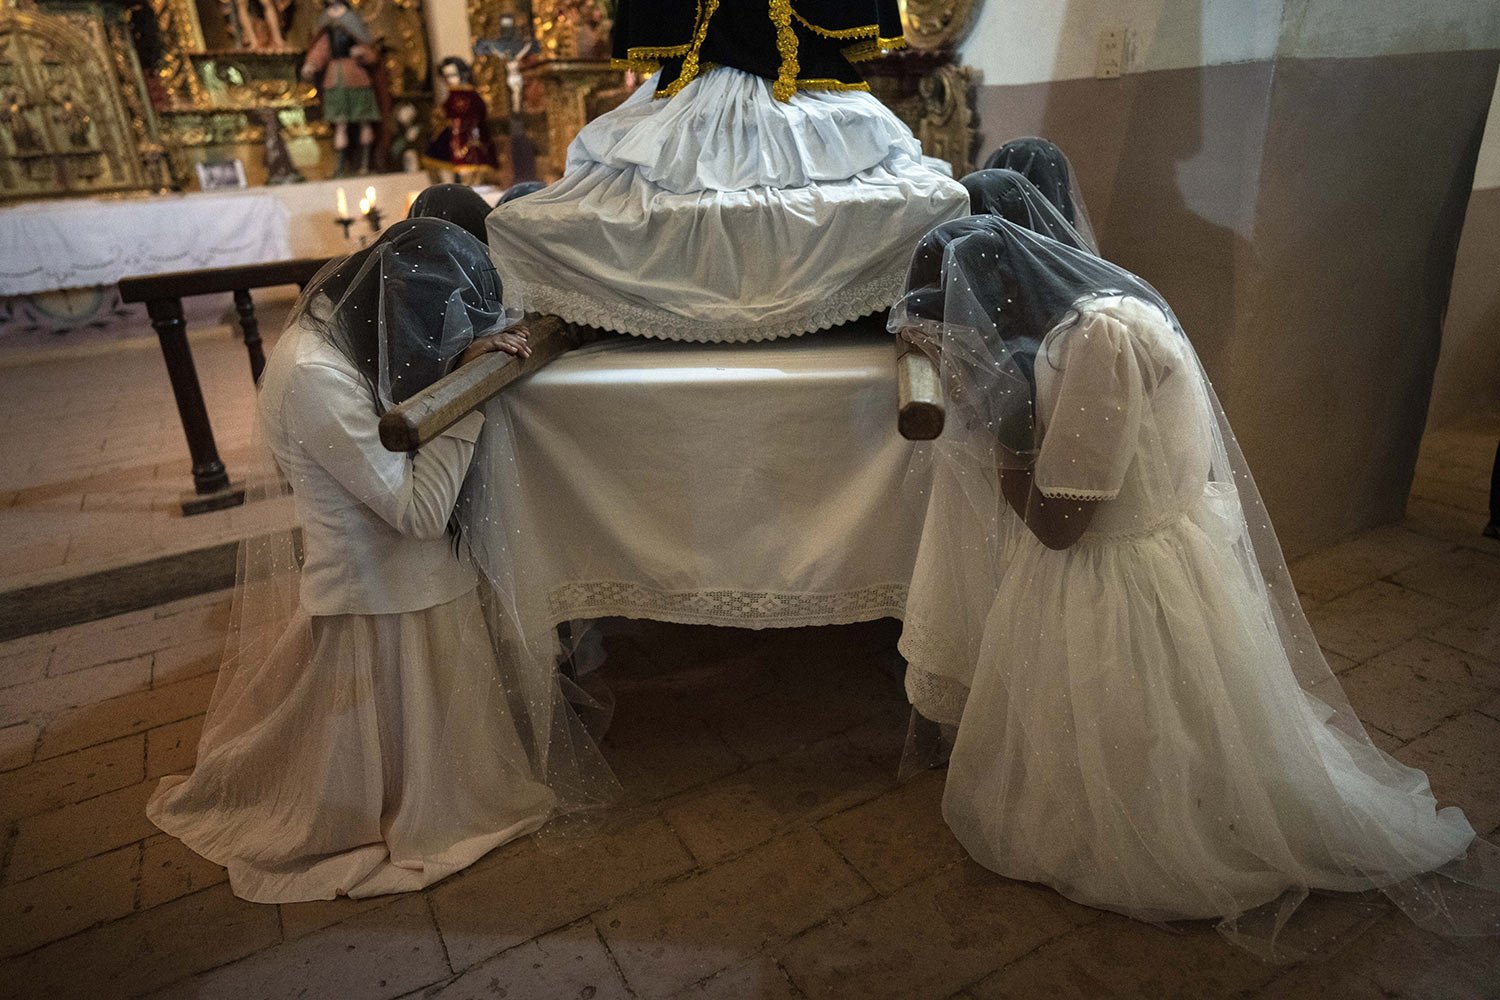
(723, 214)
(1135, 738)
(368, 754)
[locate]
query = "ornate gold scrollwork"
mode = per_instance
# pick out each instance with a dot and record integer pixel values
(937, 24)
(65, 125)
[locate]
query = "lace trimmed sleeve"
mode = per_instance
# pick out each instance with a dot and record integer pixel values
(1097, 394)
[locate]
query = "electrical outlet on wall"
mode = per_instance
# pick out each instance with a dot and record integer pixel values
(1111, 64)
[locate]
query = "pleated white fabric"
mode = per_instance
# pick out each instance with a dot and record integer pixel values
(368, 754)
(1136, 735)
(722, 214)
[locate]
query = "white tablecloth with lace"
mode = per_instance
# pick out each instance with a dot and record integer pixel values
(749, 485)
(80, 243)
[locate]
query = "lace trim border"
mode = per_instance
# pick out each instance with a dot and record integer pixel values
(1052, 493)
(731, 608)
(842, 307)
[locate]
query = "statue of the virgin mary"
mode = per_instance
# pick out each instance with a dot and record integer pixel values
(752, 188)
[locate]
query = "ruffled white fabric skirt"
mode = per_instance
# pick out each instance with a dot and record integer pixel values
(1136, 739)
(723, 214)
(370, 754)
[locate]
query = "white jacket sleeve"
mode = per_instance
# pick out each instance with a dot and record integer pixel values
(332, 416)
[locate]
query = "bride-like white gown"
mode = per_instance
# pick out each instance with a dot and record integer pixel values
(1135, 734)
(723, 214)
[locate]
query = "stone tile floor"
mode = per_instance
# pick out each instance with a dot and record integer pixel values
(765, 849)
(94, 463)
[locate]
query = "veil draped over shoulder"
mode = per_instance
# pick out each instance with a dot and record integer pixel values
(1144, 718)
(379, 751)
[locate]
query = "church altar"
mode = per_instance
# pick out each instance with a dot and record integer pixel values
(79, 243)
(751, 485)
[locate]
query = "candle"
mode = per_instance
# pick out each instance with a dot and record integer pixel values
(364, 206)
(370, 195)
(343, 203)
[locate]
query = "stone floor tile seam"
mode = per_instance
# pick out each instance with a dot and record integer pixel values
(432, 919)
(1460, 608)
(36, 743)
(690, 990)
(173, 718)
(875, 894)
(1040, 946)
(609, 954)
(8, 838)
(1398, 740)
(1432, 636)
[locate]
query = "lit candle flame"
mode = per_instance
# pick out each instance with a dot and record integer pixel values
(364, 206)
(370, 195)
(343, 203)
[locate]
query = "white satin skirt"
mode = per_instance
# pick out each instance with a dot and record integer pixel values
(369, 754)
(722, 214)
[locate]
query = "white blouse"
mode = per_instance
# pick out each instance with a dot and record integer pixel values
(374, 522)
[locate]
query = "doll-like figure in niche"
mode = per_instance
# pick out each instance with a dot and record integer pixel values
(463, 147)
(342, 60)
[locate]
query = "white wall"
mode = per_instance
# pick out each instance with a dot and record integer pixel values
(448, 29)
(1487, 174)
(1353, 28)
(1034, 41)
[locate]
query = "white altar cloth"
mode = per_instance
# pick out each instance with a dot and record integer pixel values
(749, 485)
(48, 246)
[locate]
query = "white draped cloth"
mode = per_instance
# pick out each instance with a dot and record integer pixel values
(82, 243)
(722, 214)
(753, 485)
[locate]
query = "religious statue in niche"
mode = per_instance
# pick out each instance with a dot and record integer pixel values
(463, 147)
(344, 62)
(260, 25)
(406, 146)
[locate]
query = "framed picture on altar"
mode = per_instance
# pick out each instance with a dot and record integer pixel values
(227, 175)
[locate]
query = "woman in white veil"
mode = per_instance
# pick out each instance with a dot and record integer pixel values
(1046, 166)
(369, 732)
(960, 557)
(1150, 726)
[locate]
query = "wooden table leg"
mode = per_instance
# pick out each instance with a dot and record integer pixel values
(212, 488)
(250, 327)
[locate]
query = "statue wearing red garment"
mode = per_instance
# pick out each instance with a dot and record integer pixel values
(464, 146)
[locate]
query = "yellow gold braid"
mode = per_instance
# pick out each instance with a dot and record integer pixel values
(689, 72)
(786, 44)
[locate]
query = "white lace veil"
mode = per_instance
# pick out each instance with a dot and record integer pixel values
(1048, 167)
(1003, 310)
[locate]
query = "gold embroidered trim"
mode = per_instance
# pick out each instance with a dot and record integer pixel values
(874, 48)
(786, 44)
(644, 66)
(830, 85)
(863, 31)
(660, 51)
(689, 72)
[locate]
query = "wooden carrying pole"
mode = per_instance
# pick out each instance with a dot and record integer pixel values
(409, 425)
(921, 394)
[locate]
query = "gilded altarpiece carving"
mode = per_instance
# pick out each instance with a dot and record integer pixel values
(226, 70)
(73, 115)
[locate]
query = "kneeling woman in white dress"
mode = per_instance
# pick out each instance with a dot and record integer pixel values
(1150, 726)
(364, 736)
